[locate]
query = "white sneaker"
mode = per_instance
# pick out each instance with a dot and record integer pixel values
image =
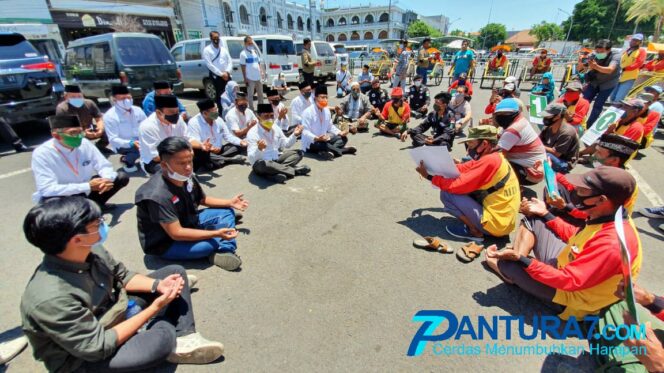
(192, 280)
(9, 349)
(194, 349)
(129, 169)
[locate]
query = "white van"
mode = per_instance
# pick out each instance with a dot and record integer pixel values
(322, 52)
(278, 53)
(341, 53)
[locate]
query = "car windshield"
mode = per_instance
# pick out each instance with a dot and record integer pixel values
(298, 49)
(143, 51)
(339, 49)
(324, 50)
(235, 47)
(15, 47)
(280, 47)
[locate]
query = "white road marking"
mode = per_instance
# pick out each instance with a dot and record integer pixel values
(646, 189)
(14, 173)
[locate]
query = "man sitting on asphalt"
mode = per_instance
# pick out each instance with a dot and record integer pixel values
(441, 123)
(344, 78)
(395, 116)
(69, 165)
(161, 88)
(301, 103)
(122, 122)
(463, 113)
(485, 195)
(560, 139)
(355, 110)
(164, 122)
(574, 270)
(365, 78)
(214, 145)
(281, 119)
(88, 114)
(241, 119)
(657, 104)
(377, 96)
(418, 95)
(577, 106)
(649, 118)
(73, 308)
(265, 141)
(319, 135)
(171, 226)
(461, 82)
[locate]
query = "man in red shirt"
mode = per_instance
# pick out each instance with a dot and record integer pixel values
(577, 106)
(649, 118)
(541, 64)
(656, 64)
(395, 115)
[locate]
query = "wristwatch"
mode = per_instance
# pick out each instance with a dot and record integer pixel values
(155, 284)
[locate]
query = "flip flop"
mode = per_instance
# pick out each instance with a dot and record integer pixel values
(469, 252)
(432, 244)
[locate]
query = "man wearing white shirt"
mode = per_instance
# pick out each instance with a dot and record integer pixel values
(68, 165)
(265, 140)
(214, 145)
(280, 112)
(252, 71)
(301, 103)
(122, 122)
(240, 119)
(343, 80)
(164, 122)
(319, 135)
(219, 64)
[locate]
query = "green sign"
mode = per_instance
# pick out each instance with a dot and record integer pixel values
(537, 105)
(194, 34)
(608, 117)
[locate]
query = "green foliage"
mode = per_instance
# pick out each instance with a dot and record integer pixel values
(421, 28)
(491, 35)
(546, 31)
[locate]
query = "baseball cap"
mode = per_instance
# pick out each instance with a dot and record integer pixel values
(634, 103)
(574, 85)
(509, 87)
(553, 109)
(638, 37)
(647, 97)
(510, 79)
(613, 182)
(655, 88)
(507, 105)
(483, 132)
(396, 92)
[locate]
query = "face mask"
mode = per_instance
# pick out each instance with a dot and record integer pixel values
(355, 94)
(437, 107)
(418, 84)
(499, 54)
(396, 101)
(459, 97)
(103, 234)
(504, 121)
(172, 118)
(274, 102)
(241, 108)
(125, 104)
(572, 96)
(600, 56)
(76, 102)
(322, 103)
(578, 201)
(306, 95)
(474, 153)
(267, 124)
(597, 161)
(176, 176)
(213, 115)
(215, 41)
(72, 141)
(462, 82)
(548, 121)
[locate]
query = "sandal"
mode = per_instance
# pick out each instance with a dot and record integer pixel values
(469, 252)
(433, 244)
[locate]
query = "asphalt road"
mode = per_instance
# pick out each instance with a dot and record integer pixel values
(330, 280)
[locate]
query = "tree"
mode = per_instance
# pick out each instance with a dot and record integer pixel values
(457, 32)
(643, 11)
(421, 28)
(545, 31)
(126, 23)
(492, 34)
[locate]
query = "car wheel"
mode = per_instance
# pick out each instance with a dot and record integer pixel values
(210, 91)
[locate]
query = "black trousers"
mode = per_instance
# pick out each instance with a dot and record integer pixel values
(120, 182)
(308, 78)
(152, 167)
(219, 87)
(285, 164)
(151, 347)
(335, 145)
(214, 161)
(7, 133)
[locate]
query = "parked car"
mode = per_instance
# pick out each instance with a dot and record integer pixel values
(322, 52)
(133, 59)
(340, 52)
(29, 83)
(278, 52)
(188, 55)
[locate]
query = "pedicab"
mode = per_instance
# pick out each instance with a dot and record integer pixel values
(438, 69)
(533, 72)
(471, 70)
(497, 69)
(381, 64)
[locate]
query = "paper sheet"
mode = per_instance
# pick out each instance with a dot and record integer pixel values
(626, 265)
(437, 160)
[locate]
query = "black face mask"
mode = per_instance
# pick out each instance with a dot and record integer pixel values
(578, 201)
(504, 121)
(215, 41)
(172, 118)
(549, 121)
(241, 108)
(306, 95)
(274, 102)
(396, 101)
(473, 153)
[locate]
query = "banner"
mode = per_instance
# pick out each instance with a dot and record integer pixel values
(607, 118)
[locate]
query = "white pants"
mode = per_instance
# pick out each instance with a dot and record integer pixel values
(257, 87)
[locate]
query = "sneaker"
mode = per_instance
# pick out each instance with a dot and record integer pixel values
(653, 212)
(238, 215)
(349, 150)
(326, 155)
(226, 260)
(194, 349)
(192, 280)
(238, 159)
(278, 178)
(20, 147)
(10, 349)
(108, 207)
(129, 169)
(461, 231)
(302, 170)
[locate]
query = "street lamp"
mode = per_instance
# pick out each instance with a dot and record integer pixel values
(571, 23)
(449, 25)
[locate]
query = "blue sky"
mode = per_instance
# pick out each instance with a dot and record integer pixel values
(514, 14)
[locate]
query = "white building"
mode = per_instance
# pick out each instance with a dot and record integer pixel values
(439, 22)
(246, 17)
(363, 24)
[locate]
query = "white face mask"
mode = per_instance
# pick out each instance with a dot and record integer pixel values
(125, 104)
(176, 176)
(418, 83)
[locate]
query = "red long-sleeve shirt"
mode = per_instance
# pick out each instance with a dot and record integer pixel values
(473, 175)
(651, 122)
(580, 110)
(456, 84)
(655, 65)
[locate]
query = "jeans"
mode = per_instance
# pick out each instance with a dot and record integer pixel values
(422, 71)
(131, 155)
(593, 93)
(622, 89)
(558, 164)
(208, 219)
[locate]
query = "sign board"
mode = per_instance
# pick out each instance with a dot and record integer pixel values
(537, 105)
(607, 118)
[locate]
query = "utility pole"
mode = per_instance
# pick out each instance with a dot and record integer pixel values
(614, 19)
(487, 22)
(571, 23)
(312, 4)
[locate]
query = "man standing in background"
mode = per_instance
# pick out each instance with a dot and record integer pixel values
(220, 64)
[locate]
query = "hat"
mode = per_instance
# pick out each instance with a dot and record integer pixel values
(271, 92)
(507, 105)
(264, 109)
(417, 77)
(553, 109)
(655, 88)
(396, 91)
(574, 85)
(376, 80)
(161, 84)
(118, 89)
(165, 101)
(240, 95)
(510, 79)
(64, 121)
(303, 85)
(618, 143)
(647, 97)
(637, 37)
(321, 89)
(70, 88)
(482, 132)
(509, 87)
(613, 182)
(634, 103)
(206, 104)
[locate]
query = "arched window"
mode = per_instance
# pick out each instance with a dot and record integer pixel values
(384, 17)
(355, 36)
(318, 26)
(228, 13)
(300, 24)
(369, 19)
(289, 20)
(330, 22)
(280, 21)
(382, 35)
(342, 37)
(263, 17)
(330, 38)
(308, 24)
(355, 20)
(244, 15)
(368, 35)
(342, 21)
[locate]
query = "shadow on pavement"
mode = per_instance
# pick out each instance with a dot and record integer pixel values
(556, 362)
(260, 182)
(117, 212)
(205, 178)
(10, 334)
(153, 262)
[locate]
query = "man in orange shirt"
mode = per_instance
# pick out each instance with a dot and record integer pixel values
(395, 115)
(630, 62)
(541, 64)
(657, 64)
(498, 63)
(649, 118)
(577, 106)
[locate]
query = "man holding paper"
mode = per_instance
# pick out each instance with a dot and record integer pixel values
(485, 195)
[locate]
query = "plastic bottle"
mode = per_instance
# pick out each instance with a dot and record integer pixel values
(132, 309)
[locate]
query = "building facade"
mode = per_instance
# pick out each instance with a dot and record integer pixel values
(439, 22)
(196, 18)
(363, 24)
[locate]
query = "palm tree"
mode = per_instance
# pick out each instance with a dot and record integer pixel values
(644, 10)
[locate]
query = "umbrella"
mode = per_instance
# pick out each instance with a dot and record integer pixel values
(433, 50)
(504, 47)
(549, 50)
(655, 47)
(584, 50)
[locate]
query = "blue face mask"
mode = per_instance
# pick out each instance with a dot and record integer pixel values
(600, 56)
(76, 102)
(103, 233)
